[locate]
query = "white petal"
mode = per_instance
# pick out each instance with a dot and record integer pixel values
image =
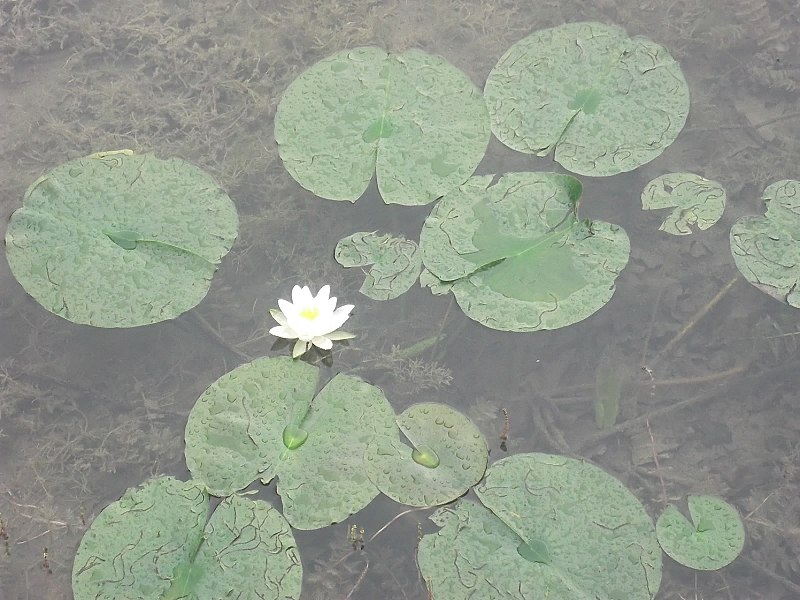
(287, 308)
(339, 316)
(300, 348)
(323, 295)
(322, 342)
(282, 331)
(301, 296)
(340, 335)
(278, 316)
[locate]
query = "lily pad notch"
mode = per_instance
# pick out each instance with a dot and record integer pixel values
(413, 119)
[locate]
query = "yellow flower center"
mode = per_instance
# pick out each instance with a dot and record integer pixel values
(310, 312)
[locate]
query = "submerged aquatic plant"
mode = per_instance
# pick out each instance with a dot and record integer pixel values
(311, 320)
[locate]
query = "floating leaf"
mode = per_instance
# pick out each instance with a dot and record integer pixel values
(413, 117)
(118, 239)
(711, 540)
(550, 527)
(262, 420)
(517, 257)
(155, 543)
(767, 249)
(605, 102)
(698, 202)
(396, 262)
(447, 456)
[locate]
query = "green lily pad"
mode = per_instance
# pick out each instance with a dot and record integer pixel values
(698, 202)
(711, 540)
(515, 254)
(766, 249)
(396, 262)
(447, 456)
(118, 239)
(262, 420)
(604, 102)
(155, 543)
(412, 117)
(550, 527)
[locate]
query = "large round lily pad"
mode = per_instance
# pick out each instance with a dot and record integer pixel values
(396, 262)
(155, 543)
(413, 117)
(262, 420)
(767, 249)
(118, 239)
(604, 102)
(711, 540)
(698, 202)
(516, 255)
(550, 527)
(447, 456)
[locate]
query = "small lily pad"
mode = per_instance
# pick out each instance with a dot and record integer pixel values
(155, 543)
(262, 421)
(698, 202)
(516, 255)
(412, 117)
(396, 262)
(711, 540)
(447, 455)
(119, 239)
(767, 249)
(550, 527)
(605, 103)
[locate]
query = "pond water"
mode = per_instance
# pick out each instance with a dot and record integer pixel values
(707, 364)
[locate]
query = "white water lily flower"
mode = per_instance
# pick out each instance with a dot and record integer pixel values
(311, 320)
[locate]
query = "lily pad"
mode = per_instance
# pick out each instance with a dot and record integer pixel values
(515, 254)
(396, 262)
(155, 543)
(262, 420)
(118, 239)
(766, 249)
(605, 103)
(447, 456)
(412, 117)
(698, 202)
(711, 540)
(550, 527)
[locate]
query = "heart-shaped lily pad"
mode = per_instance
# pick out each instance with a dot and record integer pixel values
(767, 249)
(550, 527)
(262, 420)
(447, 456)
(118, 239)
(698, 202)
(604, 102)
(711, 540)
(155, 543)
(412, 117)
(396, 262)
(515, 254)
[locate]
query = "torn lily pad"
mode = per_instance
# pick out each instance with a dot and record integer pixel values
(711, 540)
(698, 202)
(766, 249)
(550, 527)
(516, 255)
(444, 457)
(396, 262)
(262, 420)
(118, 239)
(158, 542)
(413, 118)
(604, 102)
